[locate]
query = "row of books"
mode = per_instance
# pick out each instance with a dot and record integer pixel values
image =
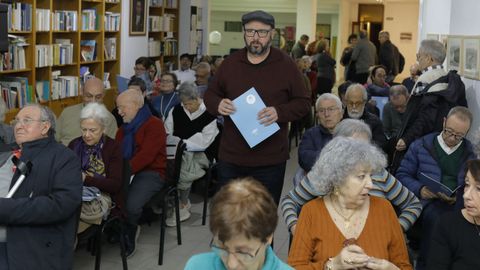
(168, 47)
(53, 54)
(155, 3)
(19, 17)
(64, 86)
(171, 3)
(164, 23)
(89, 20)
(14, 58)
(112, 1)
(42, 17)
(65, 20)
(112, 21)
(16, 92)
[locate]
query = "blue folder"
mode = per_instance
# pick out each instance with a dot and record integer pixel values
(122, 83)
(245, 118)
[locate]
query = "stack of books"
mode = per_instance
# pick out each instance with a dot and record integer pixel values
(154, 47)
(155, 23)
(42, 17)
(110, 48)
(88, 50)
(14, 58)
(16, 92)
(112, 21)
(63, 86)
(65, 20)
(19, 17)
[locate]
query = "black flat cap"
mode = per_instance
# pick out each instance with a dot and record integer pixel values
(260, 16)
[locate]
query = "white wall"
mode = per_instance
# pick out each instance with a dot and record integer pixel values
(455, 18)
(399, 18)
(132, 47)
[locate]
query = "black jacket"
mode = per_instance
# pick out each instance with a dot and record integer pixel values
(389, 56)
(376, 126)
(42, 216)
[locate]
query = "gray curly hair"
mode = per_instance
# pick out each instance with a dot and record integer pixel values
(340, 158)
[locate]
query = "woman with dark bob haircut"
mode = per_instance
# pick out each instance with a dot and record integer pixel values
(455, 242)
(243, 217)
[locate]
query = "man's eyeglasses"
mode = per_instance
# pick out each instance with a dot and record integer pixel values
(25, 121)
(244, 257)
(450, 133)
(329, 110)
(261, 32)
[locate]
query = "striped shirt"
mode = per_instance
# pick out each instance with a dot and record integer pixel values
(384, 186)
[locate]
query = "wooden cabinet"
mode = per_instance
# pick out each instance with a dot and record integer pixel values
(92, 27)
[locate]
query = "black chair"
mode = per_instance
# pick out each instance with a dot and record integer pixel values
(116, 224)
(162, 198)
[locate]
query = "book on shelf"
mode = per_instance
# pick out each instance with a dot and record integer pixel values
(112, 21)
(87, 50)
(106, 80)
(155, 3)
(19, 17)
(171, 3)
(65, 20)
(155, 23)
(42, 17)
(170, 47)
(89, 19)
(63, 86)
(110, 48)
(42, 90)
(16, 92)
(14, 58)
(154, 47)
(43, 55)
(168, 22)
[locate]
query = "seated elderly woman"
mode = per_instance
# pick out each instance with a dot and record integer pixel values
(191, 122)
(101, 157)
(243, 217)
(456, 236)
(385, 185)
(347, 228)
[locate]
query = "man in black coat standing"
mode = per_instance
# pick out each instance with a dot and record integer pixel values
(390, 57)
(38, 223)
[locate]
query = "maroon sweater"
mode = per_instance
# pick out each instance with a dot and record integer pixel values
(113, 160)
(150, 151)
(279, 83)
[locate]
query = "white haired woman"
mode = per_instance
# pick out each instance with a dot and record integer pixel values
(347, 228)
(100, 155)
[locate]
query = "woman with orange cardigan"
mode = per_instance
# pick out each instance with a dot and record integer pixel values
(348, 229)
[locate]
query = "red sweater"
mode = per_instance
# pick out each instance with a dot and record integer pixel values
(150, 150)
(279, 83)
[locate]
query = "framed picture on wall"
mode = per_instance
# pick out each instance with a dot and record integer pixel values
(138, 17)
(471, 57)
(454, 53)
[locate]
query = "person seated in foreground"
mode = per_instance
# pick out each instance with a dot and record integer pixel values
(385, 185)
(101, 158)
(455, 238)
(243, 217)
(347, 228)
(191, 122)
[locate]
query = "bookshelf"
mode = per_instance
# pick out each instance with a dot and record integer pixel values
(163, 18)
(58, 40)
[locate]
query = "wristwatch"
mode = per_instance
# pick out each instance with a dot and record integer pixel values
(329, 264)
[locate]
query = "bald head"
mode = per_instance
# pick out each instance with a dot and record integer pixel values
(129, 103)
(93, 91)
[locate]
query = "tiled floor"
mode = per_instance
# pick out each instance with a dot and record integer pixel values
(195, 238)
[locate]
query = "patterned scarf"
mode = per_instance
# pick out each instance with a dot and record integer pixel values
(91, 158)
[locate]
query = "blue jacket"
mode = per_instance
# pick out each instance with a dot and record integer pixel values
(421, 157)
(312, 143)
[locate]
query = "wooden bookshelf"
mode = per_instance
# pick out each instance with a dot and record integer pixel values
(99, 65)
(166, 33)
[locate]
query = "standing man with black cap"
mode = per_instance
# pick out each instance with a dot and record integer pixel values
(280, 85)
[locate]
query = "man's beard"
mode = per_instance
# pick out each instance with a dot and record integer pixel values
(355, 114)
(258, 51)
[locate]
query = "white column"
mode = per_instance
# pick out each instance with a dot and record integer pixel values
(306, 18)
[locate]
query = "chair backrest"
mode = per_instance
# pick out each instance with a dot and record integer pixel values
(177, 163)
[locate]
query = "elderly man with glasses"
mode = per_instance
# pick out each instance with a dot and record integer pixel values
(436, 160)
(38, 223)
(279, 83)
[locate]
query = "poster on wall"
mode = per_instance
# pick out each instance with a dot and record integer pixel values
(138, 17)
(471, 57)
(454, 53)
